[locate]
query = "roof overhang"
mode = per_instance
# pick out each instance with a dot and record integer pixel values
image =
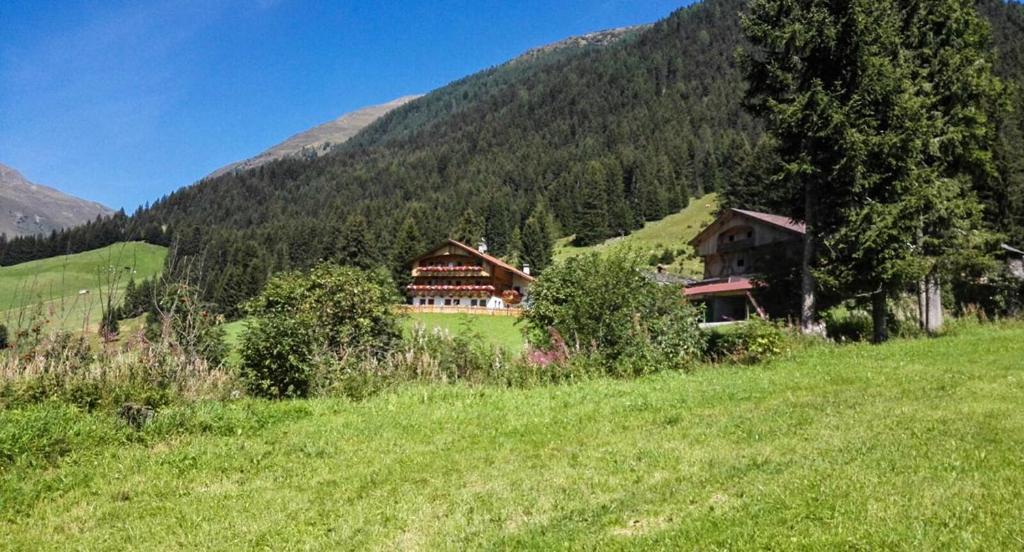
(740, 286)
(776, 221)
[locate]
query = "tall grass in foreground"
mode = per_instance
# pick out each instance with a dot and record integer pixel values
(66, 367)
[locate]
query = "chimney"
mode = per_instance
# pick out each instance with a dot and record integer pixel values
(482, 246)
(526, 269)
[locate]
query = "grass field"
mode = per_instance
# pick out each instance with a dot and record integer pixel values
(498, 330)
(910, 445)
(672, 232)
(502, 331)
(57, 283)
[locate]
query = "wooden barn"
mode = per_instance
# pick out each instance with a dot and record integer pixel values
(737, 247)
(457, 276)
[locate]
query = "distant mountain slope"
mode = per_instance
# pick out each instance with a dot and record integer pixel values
(27, 208)
(671, 234)
(319, 139)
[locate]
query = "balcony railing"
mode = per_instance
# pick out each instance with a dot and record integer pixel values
(462, 290)
(468, 271)
(733, 246)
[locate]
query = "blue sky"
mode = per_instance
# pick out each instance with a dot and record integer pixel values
(125, 101)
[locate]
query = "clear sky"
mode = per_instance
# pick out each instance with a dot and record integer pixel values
(123, 102)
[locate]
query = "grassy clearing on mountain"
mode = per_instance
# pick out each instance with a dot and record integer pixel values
(913, 444)
(68, 288)
(672, 233)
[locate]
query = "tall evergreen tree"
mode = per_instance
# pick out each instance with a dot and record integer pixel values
(470, 229)
(538, 239)
(499, 226)
(408, 245)
(355, 243)
(854, 94)
(592, 220)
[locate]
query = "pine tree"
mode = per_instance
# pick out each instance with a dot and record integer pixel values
(499, 226)
(515, 249)
(880, 110)
(592, 220)
(470, 229)
(354, 243)
(408, 245)
(538, 239)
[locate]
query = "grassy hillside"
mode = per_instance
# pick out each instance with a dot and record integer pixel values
(673, 233)
(912, 445)
(58, 283)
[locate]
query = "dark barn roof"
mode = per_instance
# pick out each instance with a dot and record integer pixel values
(777, 221)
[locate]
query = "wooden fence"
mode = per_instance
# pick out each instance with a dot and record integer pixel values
(441, 309)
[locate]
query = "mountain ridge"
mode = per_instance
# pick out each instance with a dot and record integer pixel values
(27, 208)
(319, 139)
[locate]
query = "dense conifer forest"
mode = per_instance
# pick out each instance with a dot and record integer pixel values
(590, 141)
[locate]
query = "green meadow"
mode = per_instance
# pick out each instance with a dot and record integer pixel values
(502, 331)
(68, 290)
(916, 444)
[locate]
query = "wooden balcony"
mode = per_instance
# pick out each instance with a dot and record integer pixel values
(734, 246)
(450, 271)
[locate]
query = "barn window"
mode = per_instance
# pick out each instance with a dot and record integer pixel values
(741, 262)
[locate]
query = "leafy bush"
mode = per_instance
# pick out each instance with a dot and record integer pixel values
(277, 356)
(843, 324)
(606, 307)
(751, 342)
(300, 317)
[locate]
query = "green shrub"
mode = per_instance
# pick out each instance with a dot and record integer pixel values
(750, 342)
(277, 356)
(300, 317)
(843, 324)
(607, 307)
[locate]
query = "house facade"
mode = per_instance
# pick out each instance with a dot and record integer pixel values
(456, 275)
(736, 248)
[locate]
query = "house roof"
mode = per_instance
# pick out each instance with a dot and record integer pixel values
(778, 221)
(719, 288)
(477, 253)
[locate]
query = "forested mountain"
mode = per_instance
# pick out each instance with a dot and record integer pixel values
(602, 134)
(27, 208)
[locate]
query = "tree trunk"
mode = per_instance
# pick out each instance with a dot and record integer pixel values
(878, 317)
(922, 304)
(933, 304)
(808, 306)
